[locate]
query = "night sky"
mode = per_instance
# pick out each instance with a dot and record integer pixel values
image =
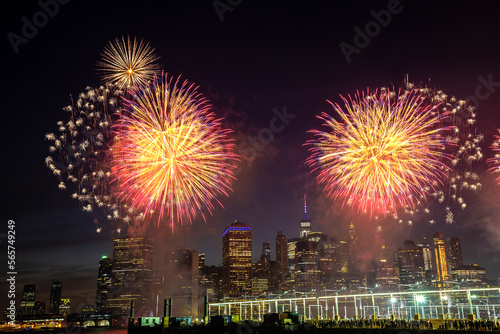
(262, 56)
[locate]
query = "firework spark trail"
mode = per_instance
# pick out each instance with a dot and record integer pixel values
(383, 154)
(127, 63)
(171, 155)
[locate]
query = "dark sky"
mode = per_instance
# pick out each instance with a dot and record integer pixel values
(262, 55)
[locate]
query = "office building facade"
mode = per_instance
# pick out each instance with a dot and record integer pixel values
(237, 260)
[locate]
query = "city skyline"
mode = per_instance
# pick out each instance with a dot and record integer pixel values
(350, 235)
(268, 69)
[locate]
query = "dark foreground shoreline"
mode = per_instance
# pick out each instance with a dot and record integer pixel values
(247, 329)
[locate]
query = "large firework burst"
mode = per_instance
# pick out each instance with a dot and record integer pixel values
(385, 153)
(127, 63)
(80, 151)
(171, 155)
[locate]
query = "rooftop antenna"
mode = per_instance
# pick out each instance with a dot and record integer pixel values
(305, 207)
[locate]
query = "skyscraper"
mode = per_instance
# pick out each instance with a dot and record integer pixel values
(261, 275)
(353, 249)
(427, 255)
(266, 251)
(182, 265)
(211, 282)
(411, 263)
(291, 251)
(39, 307)
(472, 276)
(28, 300)
(201, 261)
(237, 260)
(440, 254)
(55, 297)
(343, 256)
(387, 276)
(103, 281)
(281, 256)
(307, 264)
(453, 253)
(131, 275)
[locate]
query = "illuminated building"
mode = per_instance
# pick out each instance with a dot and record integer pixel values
(260, 285)
(329, 260)
(387, 278)
(344, 258)
(211, 282)
(305, 227)
(266, 251)
(28, 300)
(471, 276)
(237, 260)
(453, 253)
(307, 264)
(387, 275)
(201, 261)
(181, 278)
(291, 250)
(281, 256)
(262, 279)
(131, 276)
(39, 307)
(103, 282)
(262, 268)
(43, 321)
(65, 307)
(353, 249)
(426, 254)
(410, 261)
(55, 297)
(440, 254)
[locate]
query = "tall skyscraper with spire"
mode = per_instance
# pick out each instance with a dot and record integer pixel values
(305, 224)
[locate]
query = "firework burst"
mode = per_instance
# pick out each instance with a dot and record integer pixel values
(495, 161)
(171, 156)
(127, 63)
(80, 151)
(384, 153)
(462, 180)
